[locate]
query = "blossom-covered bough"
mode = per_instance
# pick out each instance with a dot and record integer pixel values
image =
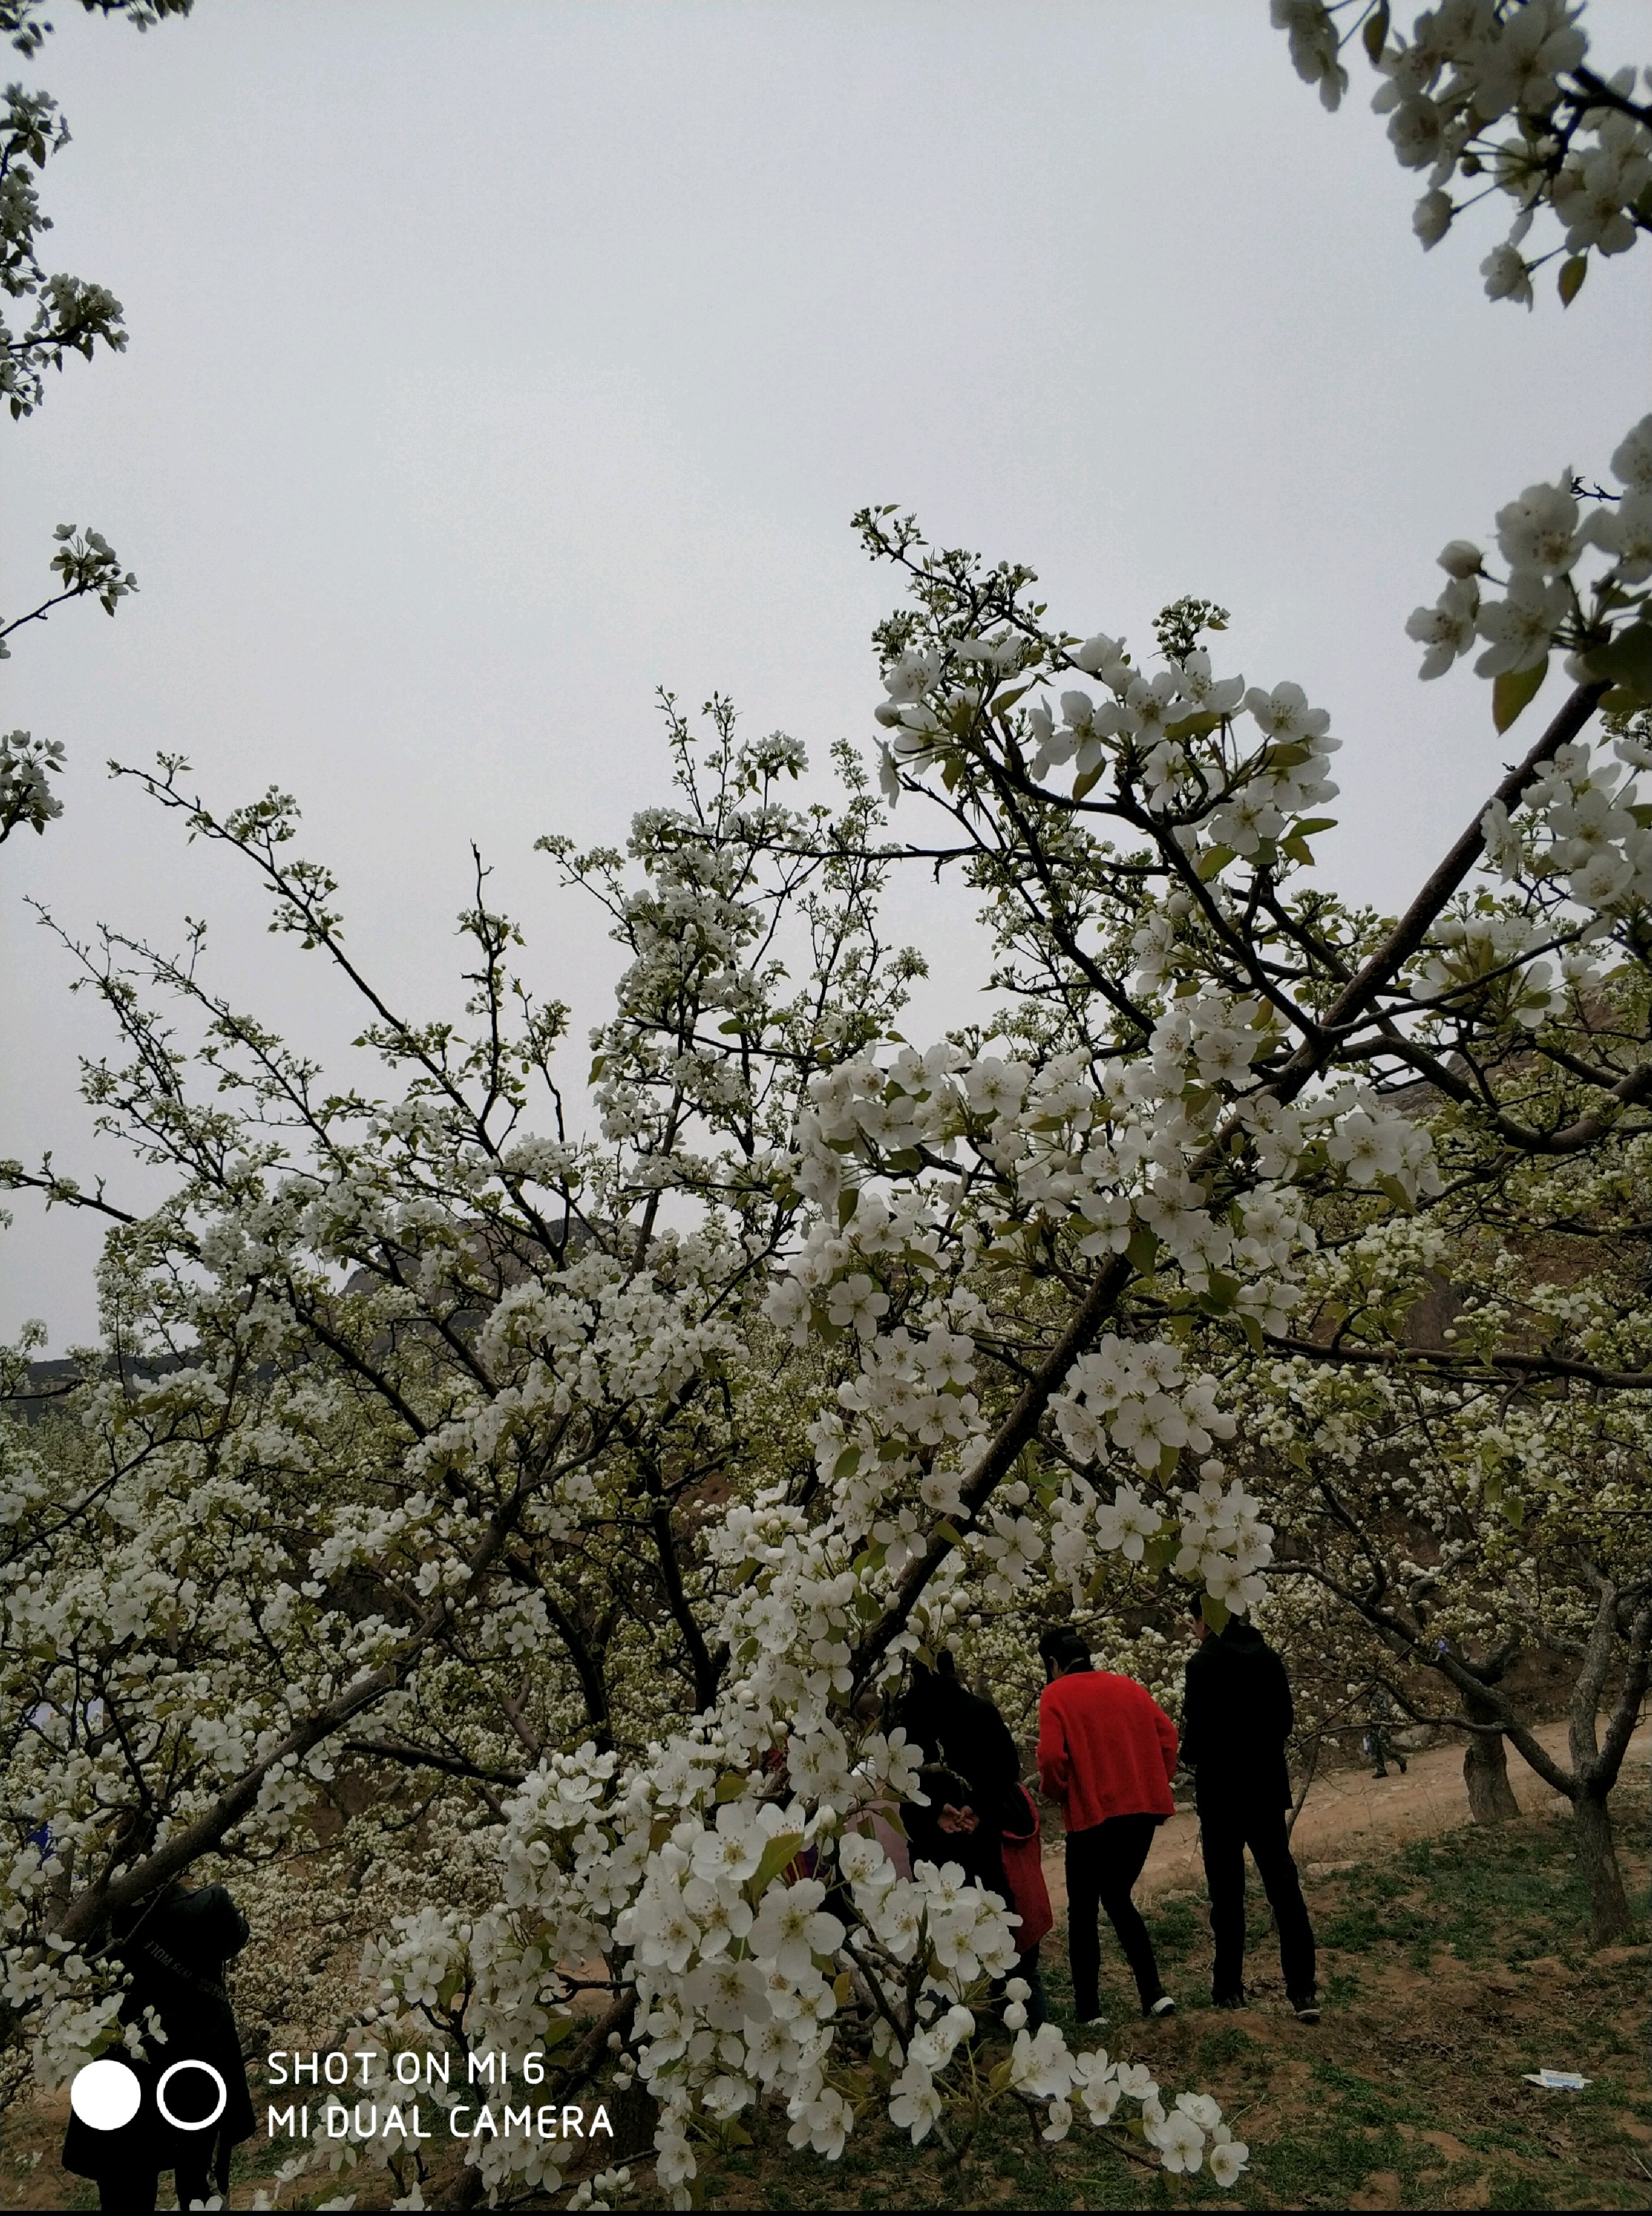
(550, 1520)
(1501, 96)
(68, 316)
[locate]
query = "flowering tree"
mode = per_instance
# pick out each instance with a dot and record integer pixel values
(574, 1505)
(70, 316)
(1473, 1489)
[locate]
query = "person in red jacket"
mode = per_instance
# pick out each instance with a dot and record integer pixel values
(1107, 1751)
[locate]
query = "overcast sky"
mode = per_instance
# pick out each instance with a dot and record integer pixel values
(492, 366)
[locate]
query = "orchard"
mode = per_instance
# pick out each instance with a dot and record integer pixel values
(563, 1485)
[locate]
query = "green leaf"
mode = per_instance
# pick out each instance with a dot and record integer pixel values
(1215, 1612)
(906, 1163)
(781, 1850)
(597, 1068)
(730, 1785)
(847, 1464)
(1626, 660)
(848, 1201)
(1572, 275)
(1252, 1330)
(1088, 782)
(1511, 692)
(949, 1532)
(732, 1028)
(1308, 824)
(1142, 1250)
(1375, 35)
(1213, 864)
(1298, 850)
(1398, 1195)
(1006, 701)
(1194, 727)
(1168, 1457)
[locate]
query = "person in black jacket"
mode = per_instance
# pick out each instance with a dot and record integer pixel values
(964, 1732)
(973, 1779)
(175, 1945)
(1236, 1716)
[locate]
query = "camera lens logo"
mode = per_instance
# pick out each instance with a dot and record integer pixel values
(106, 2094)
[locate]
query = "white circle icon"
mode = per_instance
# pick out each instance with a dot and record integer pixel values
(183, 2123)
(105, 2094)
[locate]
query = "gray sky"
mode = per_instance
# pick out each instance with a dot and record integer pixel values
(490, 367)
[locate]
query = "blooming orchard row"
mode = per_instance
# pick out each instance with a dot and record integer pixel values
(557, 1516)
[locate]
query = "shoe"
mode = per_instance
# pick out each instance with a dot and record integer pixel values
(1162, 2006)
(1092, 2024)
(1229, 2000)
(1307, 2011)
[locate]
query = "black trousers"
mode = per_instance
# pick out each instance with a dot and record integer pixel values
(1226, 1827)
(139, 2190)
(1102, 1866)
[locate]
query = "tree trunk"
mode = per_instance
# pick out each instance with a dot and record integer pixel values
(1597, 1857)
(1485, 1769)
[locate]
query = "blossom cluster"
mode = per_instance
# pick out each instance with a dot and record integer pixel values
(1543, 536)
(1572, 142)
(764, 1930)
(26, 797)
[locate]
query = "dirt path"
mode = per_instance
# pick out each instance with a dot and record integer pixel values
(1350, 1816)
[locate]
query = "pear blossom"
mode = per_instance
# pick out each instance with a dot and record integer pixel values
(1521, 627)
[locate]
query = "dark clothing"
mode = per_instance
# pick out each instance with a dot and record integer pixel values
(1237, 1715)
(1224, 1834)
(979, 1854)
(965, 1732)
(1102, 1866)
(138, 2195)
(175, 1945)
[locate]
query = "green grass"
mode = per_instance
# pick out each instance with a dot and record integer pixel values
(1430, 2022)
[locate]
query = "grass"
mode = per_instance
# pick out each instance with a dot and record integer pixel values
(1447, 1970)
